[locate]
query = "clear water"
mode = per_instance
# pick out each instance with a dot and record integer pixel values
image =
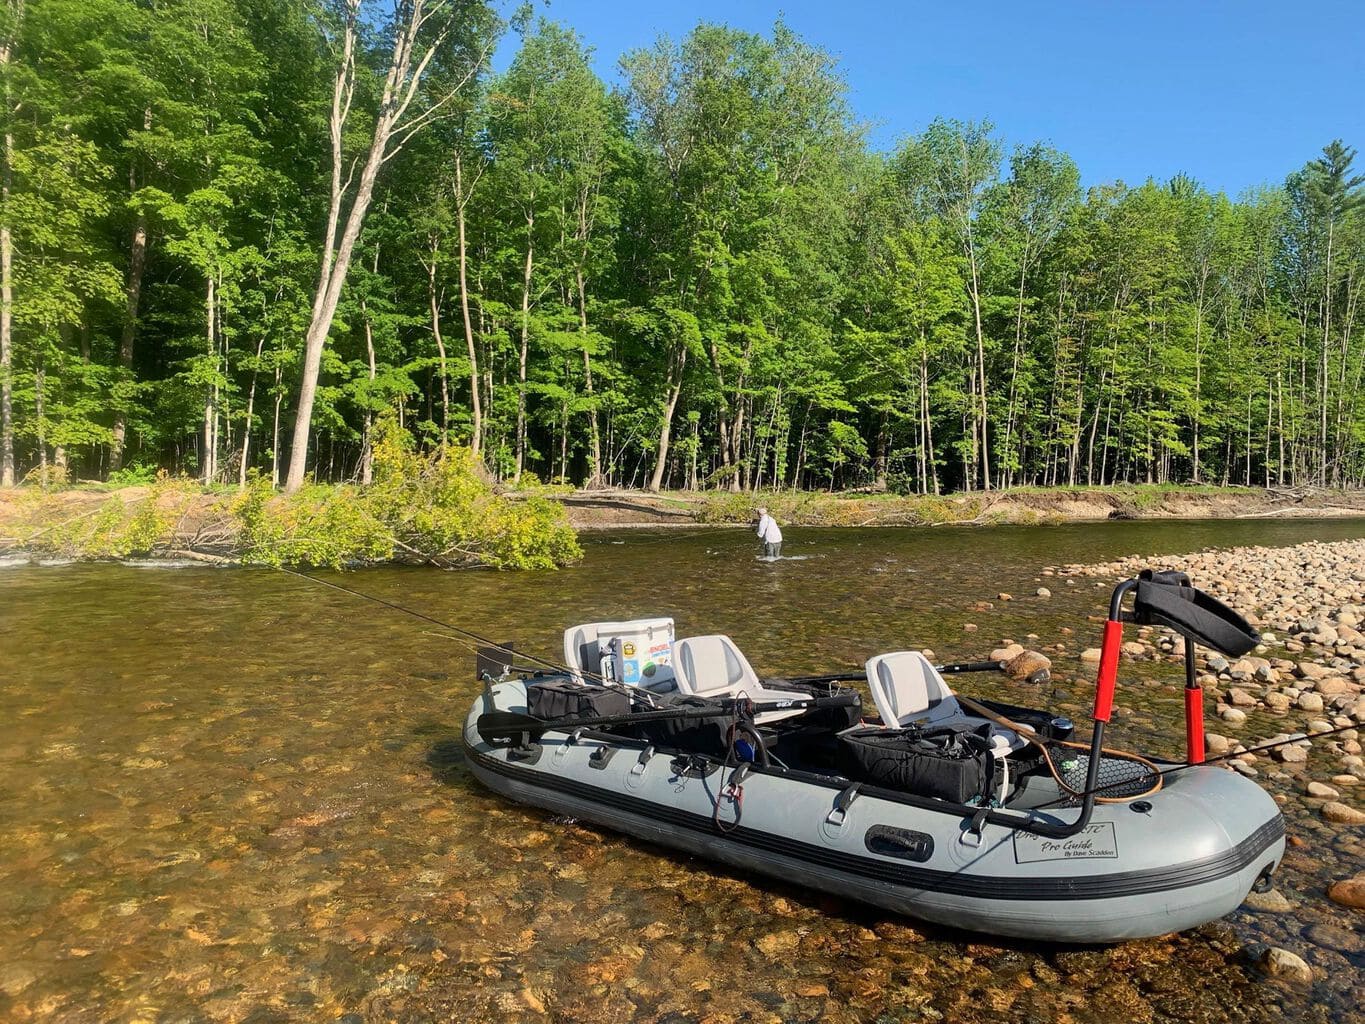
(229, 795)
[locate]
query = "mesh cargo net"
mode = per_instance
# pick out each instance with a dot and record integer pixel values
(1122, 777)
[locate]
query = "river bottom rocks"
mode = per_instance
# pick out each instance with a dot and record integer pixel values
(230, 798)
(1300, 692)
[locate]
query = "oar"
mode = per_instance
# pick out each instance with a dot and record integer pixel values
(502, 725)
(848, 675)
(970, 666)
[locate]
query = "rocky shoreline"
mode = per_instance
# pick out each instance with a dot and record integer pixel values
(1305, 678)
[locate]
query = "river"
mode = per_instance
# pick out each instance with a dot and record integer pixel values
(230, 795)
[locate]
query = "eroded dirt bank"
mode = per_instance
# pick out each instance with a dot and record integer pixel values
(623, 508)
(201, 522)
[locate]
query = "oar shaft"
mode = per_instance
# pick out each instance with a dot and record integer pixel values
(969, 666)
(504, 724)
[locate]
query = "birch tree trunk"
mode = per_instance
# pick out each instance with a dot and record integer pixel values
(525, 339)
(6, 316)
(476, 406)
(7, 267)
(250, 408)
(392, 130)
(434, 307)
(210, 453)
(981, 411)
(594, 434)
(367, 450)
(672, 389)
(137, 264)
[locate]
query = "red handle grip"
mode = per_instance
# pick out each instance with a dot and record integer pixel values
(1109, 670)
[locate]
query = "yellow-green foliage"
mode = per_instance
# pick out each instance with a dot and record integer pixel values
(324, 526)
(430, 508)
(113, 530)
(805, 508)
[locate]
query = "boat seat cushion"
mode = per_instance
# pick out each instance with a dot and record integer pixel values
(906, 688)
(712, 666)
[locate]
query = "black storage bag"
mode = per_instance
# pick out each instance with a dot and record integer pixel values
(833, 719)
(950, 764)
(689, 735)
(562, 698)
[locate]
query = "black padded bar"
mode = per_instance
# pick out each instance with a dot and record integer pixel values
(1167, 599)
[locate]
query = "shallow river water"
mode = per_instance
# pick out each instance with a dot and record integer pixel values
(230, 795)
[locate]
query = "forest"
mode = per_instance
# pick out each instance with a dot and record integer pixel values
(237, 237)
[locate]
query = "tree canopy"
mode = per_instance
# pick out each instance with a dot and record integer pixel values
(236, 234)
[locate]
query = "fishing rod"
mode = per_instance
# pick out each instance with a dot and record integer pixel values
(1230, 755)
(491, 644)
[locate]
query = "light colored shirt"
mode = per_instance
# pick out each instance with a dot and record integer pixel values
(768, 530)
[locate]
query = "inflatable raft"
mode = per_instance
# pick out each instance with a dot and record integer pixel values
(974, 814)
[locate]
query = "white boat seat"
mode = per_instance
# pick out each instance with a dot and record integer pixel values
(712, 666)
(908, 689)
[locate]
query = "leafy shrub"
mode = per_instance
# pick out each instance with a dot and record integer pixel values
(433, 508)
(319, 526)
(132, 476)
(113, 530)
(727, 507)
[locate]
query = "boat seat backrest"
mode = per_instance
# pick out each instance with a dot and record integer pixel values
(713, 665)
(905, 685)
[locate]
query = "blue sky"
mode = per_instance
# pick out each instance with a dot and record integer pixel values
(1235, 94)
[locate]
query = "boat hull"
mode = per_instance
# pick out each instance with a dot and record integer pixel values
(1186, 856)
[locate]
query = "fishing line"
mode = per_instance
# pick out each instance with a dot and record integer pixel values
(1230, 755)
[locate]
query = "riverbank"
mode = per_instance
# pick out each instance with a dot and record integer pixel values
(181, 519)
(421, 509)
(1026, 506)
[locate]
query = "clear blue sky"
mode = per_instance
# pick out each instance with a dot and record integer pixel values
(1235, 94)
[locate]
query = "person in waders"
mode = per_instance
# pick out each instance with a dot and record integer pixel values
(770, 534)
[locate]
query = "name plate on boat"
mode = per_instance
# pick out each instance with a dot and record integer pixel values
(1095, 842)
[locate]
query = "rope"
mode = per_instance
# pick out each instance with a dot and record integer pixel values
(1213, 760)
(465, 633)
(1032, 737)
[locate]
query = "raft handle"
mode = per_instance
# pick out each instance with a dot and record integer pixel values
(971, 835)
(842, 802)
(638, 768)
(1265, 880)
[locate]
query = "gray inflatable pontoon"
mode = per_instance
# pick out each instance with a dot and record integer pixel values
(977, 815)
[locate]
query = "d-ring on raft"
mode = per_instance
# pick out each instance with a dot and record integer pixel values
(969, 813)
